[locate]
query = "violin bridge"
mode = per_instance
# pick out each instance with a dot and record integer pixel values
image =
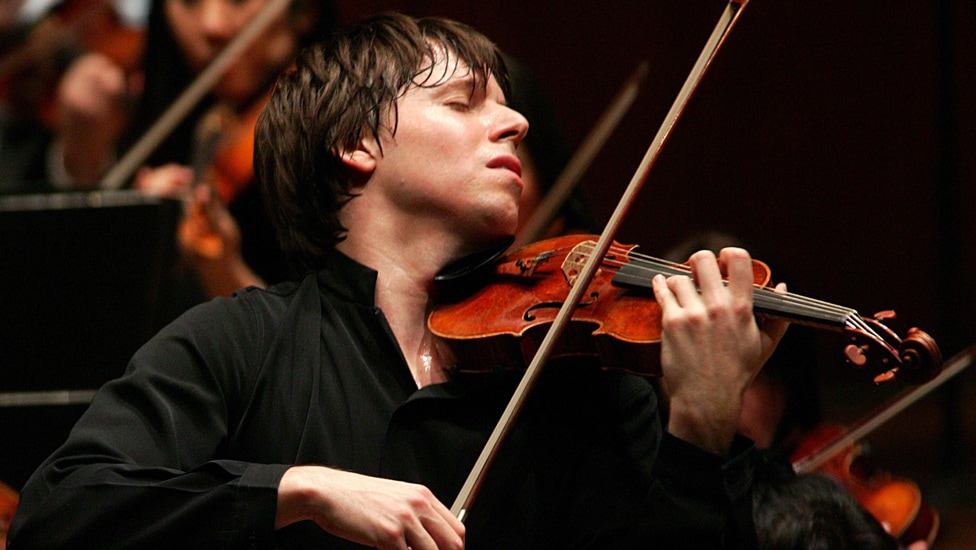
(576, 259)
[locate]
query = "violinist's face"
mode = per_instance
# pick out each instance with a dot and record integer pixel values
(203, 27)
(453, 161)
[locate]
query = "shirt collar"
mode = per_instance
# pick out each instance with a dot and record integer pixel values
(348, 278)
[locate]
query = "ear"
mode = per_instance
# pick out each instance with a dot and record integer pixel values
(361, 159)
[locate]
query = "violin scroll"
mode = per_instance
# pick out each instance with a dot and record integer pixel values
(920, 359)
(916, 359)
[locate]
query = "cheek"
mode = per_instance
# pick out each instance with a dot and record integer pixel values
(532, 190)
(193, 47)
(433, 150)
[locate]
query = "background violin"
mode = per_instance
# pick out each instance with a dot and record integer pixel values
(224, 148)
(893, 500)
(836, 451)
(223, 160)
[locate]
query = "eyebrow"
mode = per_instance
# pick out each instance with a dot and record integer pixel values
(467, 82)
(455, 82)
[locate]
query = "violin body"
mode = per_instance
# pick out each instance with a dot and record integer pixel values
(502, 325)
(224, 161)
(224, 146)
(232, 164)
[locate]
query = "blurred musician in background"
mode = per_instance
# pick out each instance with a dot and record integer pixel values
(207, 159)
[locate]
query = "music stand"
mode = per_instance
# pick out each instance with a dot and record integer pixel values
(80, 282)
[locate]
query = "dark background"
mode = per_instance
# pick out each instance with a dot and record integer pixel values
(835, 137)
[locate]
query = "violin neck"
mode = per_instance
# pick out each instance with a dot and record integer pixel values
(637, 274)
(802, 310)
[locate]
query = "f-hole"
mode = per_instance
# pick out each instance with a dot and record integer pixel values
(530, 316)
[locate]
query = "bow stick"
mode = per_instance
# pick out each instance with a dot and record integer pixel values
(475, 479)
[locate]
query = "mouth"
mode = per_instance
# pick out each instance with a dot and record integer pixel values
(507, 162)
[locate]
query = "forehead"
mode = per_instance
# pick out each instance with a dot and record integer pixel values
(443, 66)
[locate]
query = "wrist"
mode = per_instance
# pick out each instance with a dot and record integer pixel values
(710, 425)
(294, 495)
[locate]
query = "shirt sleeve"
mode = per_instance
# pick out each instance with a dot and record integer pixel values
(695, 499)
(144, 468)
(701, 500)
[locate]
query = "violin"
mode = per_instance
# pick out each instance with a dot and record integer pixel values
(892, 500)
(618, 320)
(223, 160)
(224, 148)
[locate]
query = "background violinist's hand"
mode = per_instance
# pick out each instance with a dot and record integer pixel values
(171, 180)
(211, 239)
(711, 346)
(377, 512)
(92, 112)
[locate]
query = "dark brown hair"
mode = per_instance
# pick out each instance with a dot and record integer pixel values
(338, 91)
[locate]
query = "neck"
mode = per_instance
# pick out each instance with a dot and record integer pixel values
(405, 280)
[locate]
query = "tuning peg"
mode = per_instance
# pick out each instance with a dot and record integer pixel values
(885, 316)
(856, 354)
(886, 376)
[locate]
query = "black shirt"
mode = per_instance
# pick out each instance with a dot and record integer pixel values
(187, 448)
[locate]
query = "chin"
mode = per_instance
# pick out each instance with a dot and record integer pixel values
(491, 235)
(505, 230)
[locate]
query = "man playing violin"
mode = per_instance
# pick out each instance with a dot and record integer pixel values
(323, 413)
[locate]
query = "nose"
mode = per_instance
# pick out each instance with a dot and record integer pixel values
(511, 125)
(218, 22)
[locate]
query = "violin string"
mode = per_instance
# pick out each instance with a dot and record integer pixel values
(793, 303)
(773, 301)
(787, 303)
(654, 265)
(764, 297)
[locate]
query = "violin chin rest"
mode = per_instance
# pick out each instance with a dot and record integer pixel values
(473, 263)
